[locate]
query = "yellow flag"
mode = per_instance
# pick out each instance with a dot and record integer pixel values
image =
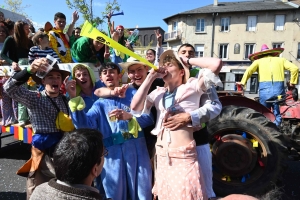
(89, 31)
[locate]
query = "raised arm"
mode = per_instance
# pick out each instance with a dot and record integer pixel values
(294, 71)
(75, 17)
(13, 87)
(137, 103)
(159, 49)
(214, 64)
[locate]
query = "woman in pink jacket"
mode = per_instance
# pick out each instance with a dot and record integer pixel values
(178, 174)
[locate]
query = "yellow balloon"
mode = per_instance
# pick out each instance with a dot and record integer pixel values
(89, 31)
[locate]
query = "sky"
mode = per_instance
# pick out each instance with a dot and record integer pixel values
(141, 13)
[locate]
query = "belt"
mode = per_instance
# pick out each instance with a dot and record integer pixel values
(117, 138)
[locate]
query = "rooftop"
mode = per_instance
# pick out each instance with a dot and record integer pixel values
(244, 6)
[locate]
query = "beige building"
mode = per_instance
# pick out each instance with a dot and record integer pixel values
(233, 30)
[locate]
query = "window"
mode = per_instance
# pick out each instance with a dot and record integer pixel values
(249, 49)
(200, 25)
(298, 52)
(251, 25)
(224, 24)
(279, 22)
(174, 26)
(199, 50)
(277, 45)
(223, 51)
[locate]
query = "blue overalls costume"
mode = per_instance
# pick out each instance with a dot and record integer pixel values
(127, 170)
(270, 71)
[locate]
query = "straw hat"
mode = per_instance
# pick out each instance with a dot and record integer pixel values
(266, 51)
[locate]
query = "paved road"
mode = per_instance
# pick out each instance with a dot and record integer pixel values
(14, 154)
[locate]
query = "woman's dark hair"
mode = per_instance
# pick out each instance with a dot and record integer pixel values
(76, 154)
(20, 36)
(153, 51)
(99, 55)
(10, 24)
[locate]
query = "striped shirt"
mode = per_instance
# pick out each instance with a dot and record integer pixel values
(35, 52)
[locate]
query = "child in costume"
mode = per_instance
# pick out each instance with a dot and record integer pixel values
(127, 170)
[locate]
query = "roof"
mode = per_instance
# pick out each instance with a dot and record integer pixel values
(12, 16)
(244, 6)
(147, 28)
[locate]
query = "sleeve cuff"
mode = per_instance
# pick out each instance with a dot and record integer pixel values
(76, 104)
(195, 118)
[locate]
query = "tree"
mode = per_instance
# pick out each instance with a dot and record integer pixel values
(16, 7)
(85, 7)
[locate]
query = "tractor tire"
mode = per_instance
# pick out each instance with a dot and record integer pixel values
(247, 150)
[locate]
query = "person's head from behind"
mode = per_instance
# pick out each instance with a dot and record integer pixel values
(41, 39)
(186, 50)
(82, 76)
(79, 156)
(10, 26)
(77, 31)
(150, 55)
(2, 17)
(136, 70)
(59, 21)
(110, 75)
(176, 72)
(41, 29)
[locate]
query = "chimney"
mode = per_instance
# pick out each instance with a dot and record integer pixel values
(215, 2)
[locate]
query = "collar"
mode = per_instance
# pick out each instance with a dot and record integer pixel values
(79, 186)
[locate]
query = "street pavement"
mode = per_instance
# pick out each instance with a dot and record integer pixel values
(14, 154)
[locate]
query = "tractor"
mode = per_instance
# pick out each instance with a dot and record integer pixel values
(248, 149)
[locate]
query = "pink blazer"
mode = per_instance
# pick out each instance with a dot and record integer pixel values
(187, 99)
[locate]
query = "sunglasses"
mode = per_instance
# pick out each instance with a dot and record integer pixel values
(105, 153)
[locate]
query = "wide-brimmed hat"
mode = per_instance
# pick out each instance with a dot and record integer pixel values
(55, 68)
(266, 51)
(130, 61)
(172, 53)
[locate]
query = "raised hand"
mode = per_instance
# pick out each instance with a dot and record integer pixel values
(160, 72)
(15, 66)
(158, 37)
(184, 60)
(70, 86)
(75, 17)
(40, 64)
(120, 114)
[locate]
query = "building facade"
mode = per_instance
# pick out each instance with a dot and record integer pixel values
(234, 30)
(147, 39)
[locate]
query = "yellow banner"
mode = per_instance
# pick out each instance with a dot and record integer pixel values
(89, 31)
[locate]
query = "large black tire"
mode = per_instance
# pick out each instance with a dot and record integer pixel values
(238, 166)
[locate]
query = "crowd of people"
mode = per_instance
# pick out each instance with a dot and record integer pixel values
(142, 139)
